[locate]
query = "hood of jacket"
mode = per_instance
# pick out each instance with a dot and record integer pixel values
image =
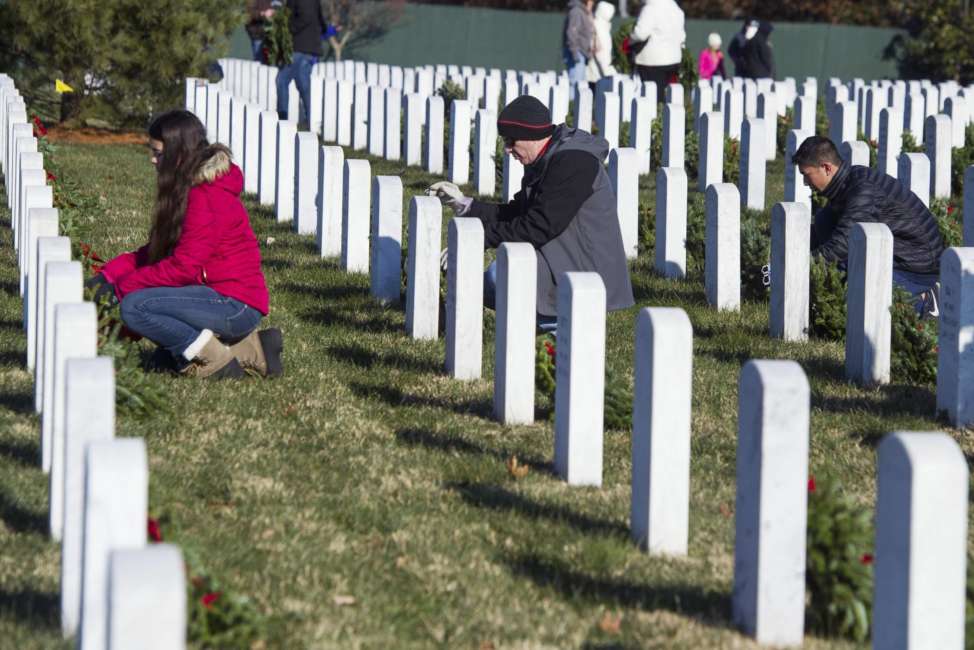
(566, 138)
(605, 11)
(219, 171)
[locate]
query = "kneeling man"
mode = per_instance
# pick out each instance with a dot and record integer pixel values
(566, 207)
(857, 193)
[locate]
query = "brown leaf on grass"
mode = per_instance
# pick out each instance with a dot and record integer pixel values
(610, 623)
(726, 510)
(290, 409)
(342, 600)
(400, 561)
(515, 469)
(487, 645)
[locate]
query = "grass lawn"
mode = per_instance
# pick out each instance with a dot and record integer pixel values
(362, 501)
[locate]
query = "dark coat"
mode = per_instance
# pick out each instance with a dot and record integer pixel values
(567, 210)
(867, 195)
(757, 57)
(307, 25)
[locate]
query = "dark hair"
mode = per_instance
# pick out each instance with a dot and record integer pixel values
(816, 151)
(185, 147)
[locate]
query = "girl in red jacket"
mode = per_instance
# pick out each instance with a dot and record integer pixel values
(196, 288)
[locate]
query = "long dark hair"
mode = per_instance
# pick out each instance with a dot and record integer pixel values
(184, 148)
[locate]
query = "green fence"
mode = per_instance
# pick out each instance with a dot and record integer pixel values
(527, 40)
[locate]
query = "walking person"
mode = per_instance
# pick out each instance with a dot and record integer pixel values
(736, 48)
(307, 27)
(659, 35)
(259, 13)
(600, 65)
(196, 288)
(712, 59)
(758, 55)
(577, 36)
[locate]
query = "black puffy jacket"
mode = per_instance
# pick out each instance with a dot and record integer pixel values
(307, 25)
(867, 195)
(757, 57)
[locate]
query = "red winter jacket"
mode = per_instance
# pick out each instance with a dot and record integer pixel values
(216, 248)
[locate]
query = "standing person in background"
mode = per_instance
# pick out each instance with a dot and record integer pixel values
(307, 26)
(600, 65)
(736, 49)
(577, 39)
(259, 12)
(712, 59)
(758, 56)
(660, 30)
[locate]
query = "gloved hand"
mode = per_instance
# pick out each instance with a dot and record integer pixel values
(104, 290)
(450, 194)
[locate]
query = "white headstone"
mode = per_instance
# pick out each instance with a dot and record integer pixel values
(753, 163)
(49, 249)
(671, 220)
(660, 506)
(856, 153)
(329, 110)
(360, 117)
(393, 123)
(485, 171)
(956, 109)
(955, 356)
(968, 205)
(147, 599)
(434, 135)
(915, 115)
(116, 511)
(624, 175)
(582, 109)
(41, 223)
(285, 177)
(868, 299)
(722, 265)
(921, 542)
(376, 124)
(75, 337)
(890, 140)
(768, 599)
(790, 232)
(516, 318)
(914, 172)
(796, 191)
(386, 263)
(415, 112)
(331, 184)
(674, 119)
(842, 123)
(223, 99)
(346, 100)
(62, 284)
(237, 130)
(733, 109)
(608, 118)
(267, 174)
(356, 201)
(465, 298)
(89, 415)
(306, 183)
(768, 114)
(513, 174)
(580, 381)
(423, 268)
(35, 197)
(937, 138)
(710, 163)
(251, 152)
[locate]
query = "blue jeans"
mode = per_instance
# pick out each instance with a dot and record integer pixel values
(575, 64)
(546, 323)
(300, 71)
(916, 284)
(256, 48)
(173, 317)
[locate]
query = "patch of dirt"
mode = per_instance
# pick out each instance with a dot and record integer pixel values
(89, 135)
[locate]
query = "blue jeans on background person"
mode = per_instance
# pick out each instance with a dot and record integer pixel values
(921, 287)
(257, 47)
(300, 71)
(575, 64)
(173, 317)
(546, 324)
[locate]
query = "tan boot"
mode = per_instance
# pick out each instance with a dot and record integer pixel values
(260, 352)
(209, 358)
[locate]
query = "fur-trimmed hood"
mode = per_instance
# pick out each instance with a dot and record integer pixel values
(216, 165)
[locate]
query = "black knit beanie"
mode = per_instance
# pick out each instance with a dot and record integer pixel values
(525, 118)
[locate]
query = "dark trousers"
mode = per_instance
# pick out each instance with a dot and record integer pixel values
(659, 74)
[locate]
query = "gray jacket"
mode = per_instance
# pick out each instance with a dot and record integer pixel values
(579, 29)
(586, 239)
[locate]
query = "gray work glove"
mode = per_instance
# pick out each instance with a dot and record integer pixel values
(449, 194)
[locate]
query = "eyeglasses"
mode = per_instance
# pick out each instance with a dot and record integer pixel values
(509, 142)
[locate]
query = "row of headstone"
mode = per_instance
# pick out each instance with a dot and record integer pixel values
(114, 593)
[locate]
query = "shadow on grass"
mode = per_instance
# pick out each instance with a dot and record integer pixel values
(709, 607)
(24, 453)
(892, 400)
(449, 444)
(395, 397)
(20, 519)
(363, 319)
(30, 608)
(276, 264)
(12, 325)
(333, 292)
(363, 357)
(22, 403)
(10, 288)
(496, 497)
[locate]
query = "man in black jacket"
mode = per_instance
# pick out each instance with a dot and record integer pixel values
(307, 26)
(757, 56)
(865, 195)
(566, 207)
